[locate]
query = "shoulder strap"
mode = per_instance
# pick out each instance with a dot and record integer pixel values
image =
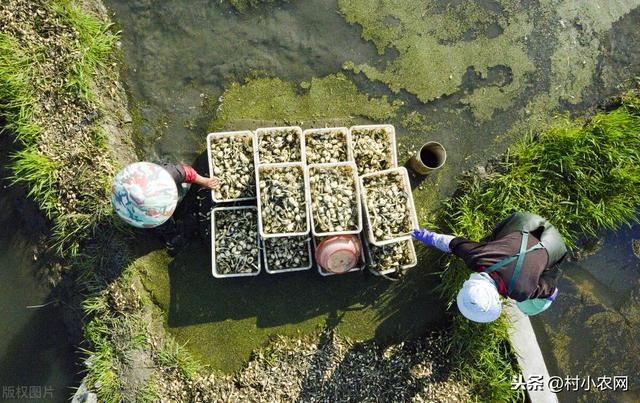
(520, 256)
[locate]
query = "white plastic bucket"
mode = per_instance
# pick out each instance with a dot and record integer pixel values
(299, 166)
(356, 196)
(212, 136)
(410, 205)
(213, 245)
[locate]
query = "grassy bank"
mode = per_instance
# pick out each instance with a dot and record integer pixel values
(50, 66)
(582, 176)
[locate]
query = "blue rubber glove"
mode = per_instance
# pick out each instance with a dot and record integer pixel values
(439, 241)
(423, 235)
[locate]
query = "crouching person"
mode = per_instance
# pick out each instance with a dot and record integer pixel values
(145, 195)
(518, 260)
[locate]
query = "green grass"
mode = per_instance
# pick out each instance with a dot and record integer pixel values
(22, 83)
(39, 172)
(17, 95)
(102, 368)
(94, 48)
(582, 177)
(176, 357)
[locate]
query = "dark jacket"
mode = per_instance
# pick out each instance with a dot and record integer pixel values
(534, 281)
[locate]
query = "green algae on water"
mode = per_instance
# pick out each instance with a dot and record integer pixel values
(283, 102)
(433, 58)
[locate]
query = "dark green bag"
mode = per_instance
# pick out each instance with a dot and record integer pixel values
(537, 226)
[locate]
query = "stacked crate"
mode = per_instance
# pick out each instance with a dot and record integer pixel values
(310, 156)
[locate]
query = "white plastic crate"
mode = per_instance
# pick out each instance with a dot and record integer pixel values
(302, 268)
(356, 196)
(263, 130)
(213, 245)
(410, 206)
(391, 138)
(412, 252)
(242, 133)
(300, 166)
(359, 267)
(311, 132)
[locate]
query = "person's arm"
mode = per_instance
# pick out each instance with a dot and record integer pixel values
(438, 241)
(191, 176)
(547, 285)
(464, 249)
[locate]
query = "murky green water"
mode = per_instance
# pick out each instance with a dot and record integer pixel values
(35, 352)
(487, 73)
(594, 326)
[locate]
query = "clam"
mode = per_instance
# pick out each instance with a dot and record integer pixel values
(236, 241)
(279, 145)
(388, 206)
(287, 252)
(282, 199)
(232, 162)
(372, 149)
(391, 257)
(326, 146)
(334, 205)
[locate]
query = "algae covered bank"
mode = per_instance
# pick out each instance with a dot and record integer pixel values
(474, 76)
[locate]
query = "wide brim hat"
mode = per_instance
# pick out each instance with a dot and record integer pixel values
(478, 299)
(144, 195)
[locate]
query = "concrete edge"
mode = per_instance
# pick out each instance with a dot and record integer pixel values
(528, 353)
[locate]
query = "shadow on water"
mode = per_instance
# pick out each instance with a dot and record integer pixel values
(39, 355)
(196, 297)
(35, 348)
(204, 311)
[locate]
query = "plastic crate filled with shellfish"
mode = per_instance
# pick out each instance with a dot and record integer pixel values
(235, 250)
(277, 145)
(374, 148)
(231, 157)
(327, 146)
(334, 197)
(287, 254)
(391, 258)
(282, 200)
(388, 206)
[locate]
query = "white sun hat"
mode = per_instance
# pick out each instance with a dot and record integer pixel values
(478, 299)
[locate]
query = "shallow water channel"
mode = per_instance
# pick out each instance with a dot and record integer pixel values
(36, 360)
